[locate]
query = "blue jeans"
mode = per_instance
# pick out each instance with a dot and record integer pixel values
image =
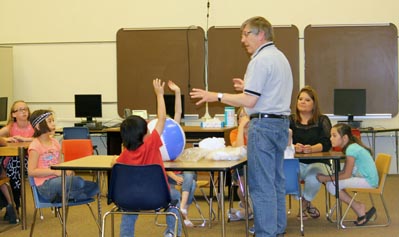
(189, 184)
(267, 139)
(76, 187)
(128, 221)
(308, 173)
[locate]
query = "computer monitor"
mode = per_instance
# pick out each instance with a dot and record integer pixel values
(3, 108)
(350, 102)
(88, 106)
(170, 105)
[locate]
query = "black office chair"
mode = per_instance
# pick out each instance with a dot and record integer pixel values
(139, 190)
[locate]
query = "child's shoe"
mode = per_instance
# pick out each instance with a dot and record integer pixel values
(188, 223)
(12, 217)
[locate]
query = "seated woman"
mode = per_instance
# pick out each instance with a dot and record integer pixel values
(310, 133)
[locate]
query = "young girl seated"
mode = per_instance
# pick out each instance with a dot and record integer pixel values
(12, 218)
(18, 129)
(187, 179)
(44, 151)
(142, 147)
(359, 170)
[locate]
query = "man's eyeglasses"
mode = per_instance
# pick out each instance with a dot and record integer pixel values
(21, 110)
(246, 33)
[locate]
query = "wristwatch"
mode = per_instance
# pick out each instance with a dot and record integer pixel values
(220, 96)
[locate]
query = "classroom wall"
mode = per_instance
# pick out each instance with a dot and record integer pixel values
(61, 48)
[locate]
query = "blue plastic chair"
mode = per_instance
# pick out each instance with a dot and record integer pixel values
(293, 184)
(77, 133)
(139, 190)
(41, 202)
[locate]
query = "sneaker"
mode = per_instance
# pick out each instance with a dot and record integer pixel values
(188, 223)
(233, 217)
(251, 230)
(12, 217)
(239, 215)
(234, 210)
(168, 234)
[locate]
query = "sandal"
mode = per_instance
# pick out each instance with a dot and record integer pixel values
(362, 220)
(304, 216)
(313, 211)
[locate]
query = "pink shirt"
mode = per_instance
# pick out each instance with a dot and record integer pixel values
(24, 132)
(48, 155)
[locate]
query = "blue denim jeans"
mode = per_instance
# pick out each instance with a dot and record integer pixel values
(76, 187)
(189, 184)
(267, 139)
(128, 221)
(308, 173)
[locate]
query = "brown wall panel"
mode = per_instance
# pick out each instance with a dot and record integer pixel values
(228, 59)
(179, 55)
(364, 56)
(169, 54)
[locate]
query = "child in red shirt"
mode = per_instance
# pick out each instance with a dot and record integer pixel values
(141, 148)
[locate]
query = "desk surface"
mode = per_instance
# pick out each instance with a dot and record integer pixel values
(185, 129)
(11, 149)
(335, 155)
(103, 162)
(378, 130)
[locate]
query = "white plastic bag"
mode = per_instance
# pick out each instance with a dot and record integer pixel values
(193, 154)
(227, 153)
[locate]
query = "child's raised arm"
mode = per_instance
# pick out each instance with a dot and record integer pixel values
(178, 105)
(161, 110)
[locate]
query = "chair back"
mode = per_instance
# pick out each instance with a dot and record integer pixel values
(76, 148)
(39, 201)
(76, 133)
(138, 187)
(291, 172)
(383, 163)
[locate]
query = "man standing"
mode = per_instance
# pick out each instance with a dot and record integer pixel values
(266, 96)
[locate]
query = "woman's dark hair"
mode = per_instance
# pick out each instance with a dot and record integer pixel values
(133, 130)
(344, 129)
(316, 108)
(43, 127)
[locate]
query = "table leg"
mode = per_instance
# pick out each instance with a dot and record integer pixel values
(21, 154)
(64, 199)
(211, 176)
(221, 190)
(246, 202)
(373, 135)
(99, 204)
(396, 151)
(338, 211)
